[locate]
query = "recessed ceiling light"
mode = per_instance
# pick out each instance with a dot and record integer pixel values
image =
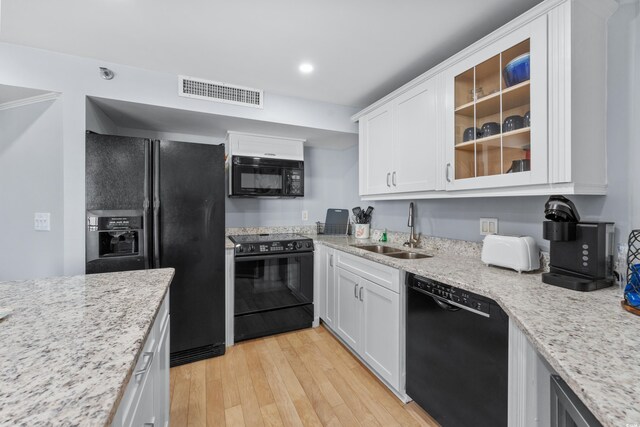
(305, 68)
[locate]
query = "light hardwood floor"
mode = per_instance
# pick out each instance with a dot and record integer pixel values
(302, 378)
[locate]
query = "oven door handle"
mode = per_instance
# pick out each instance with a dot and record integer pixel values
(272, 256)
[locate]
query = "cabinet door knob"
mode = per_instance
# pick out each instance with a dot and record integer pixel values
(355, 291)
(388, 175)
(360, 292)
(446, 173)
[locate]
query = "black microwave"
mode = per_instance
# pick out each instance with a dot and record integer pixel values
(264, 177)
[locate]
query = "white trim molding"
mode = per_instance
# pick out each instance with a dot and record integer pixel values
(28, 101)
(229, 259)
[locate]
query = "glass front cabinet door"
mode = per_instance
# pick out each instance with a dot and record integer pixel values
(497, 113)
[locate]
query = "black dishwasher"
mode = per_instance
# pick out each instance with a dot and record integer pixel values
(457, 354)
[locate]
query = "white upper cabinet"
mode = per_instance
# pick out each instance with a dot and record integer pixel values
(470, 128)
(489, 141)
(251, 145)
(397, 144)
(414, 156)
(375, 154)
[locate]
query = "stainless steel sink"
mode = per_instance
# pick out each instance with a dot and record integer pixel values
(379, 249)
(392, 252)
(408, 255)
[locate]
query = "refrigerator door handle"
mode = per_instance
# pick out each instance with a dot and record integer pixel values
(146, 219)
(156, 204)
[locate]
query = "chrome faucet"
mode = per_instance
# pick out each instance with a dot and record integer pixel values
(413, 239)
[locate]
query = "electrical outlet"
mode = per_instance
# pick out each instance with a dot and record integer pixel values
(305, 215)
(488, 226)
(42, 221)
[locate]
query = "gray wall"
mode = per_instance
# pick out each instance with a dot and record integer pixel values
(77, 77)
(328, 182)
(634, 185)
(327, 185)
(459, 219)
(31, 181)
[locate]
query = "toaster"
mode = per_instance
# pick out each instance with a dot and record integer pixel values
(519, 253)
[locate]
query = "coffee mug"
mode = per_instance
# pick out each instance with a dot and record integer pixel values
(512, 123)
(521, 165)
(490, 128)
(471, 134)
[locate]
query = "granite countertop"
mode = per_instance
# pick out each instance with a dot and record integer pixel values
(70, 344)
(587, 338)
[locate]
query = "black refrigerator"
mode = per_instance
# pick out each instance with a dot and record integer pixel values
(156, 204)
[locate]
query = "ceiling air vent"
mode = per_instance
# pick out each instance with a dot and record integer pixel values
(192, 87)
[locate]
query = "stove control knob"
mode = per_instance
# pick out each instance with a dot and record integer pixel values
(252, 248)
(295, 245)
(308, 244)
(240, 249)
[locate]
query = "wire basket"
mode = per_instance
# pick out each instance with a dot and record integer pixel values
(335, 229)
(632, 289)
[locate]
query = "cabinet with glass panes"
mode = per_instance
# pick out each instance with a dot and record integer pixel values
(492, 115)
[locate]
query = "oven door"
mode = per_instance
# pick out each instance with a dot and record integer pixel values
(273, 294)
(257, 180)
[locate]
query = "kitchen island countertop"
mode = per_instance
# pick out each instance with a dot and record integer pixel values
(70, 344)
(586, 337)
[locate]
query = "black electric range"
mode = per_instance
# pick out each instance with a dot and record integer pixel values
(253, 244)
(273, 286)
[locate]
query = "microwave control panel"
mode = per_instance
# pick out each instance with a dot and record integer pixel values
(294, 182)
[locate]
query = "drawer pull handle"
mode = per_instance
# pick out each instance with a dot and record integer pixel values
(142, 371)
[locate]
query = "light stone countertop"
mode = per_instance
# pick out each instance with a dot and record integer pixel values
(69, 347)
(592, 343)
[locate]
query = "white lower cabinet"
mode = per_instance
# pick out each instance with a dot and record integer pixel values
(326, 283)
(348, 308)
(380, 339)
(365, 301)
(161, 374)
(146, 399)
(529, 382)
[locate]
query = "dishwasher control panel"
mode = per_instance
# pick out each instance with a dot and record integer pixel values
(449, 293)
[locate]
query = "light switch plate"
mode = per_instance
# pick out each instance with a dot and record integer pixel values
(488, 226)
(42, 221)
(305, 215)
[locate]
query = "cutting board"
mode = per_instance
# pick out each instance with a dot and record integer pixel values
(337, 221)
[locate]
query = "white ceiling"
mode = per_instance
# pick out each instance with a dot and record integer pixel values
(361, 49)
(131, 115)
(15, 93)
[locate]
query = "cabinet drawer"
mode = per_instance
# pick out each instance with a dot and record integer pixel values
(383, 275)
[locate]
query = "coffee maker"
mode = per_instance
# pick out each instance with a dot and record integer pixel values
(581, 253)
